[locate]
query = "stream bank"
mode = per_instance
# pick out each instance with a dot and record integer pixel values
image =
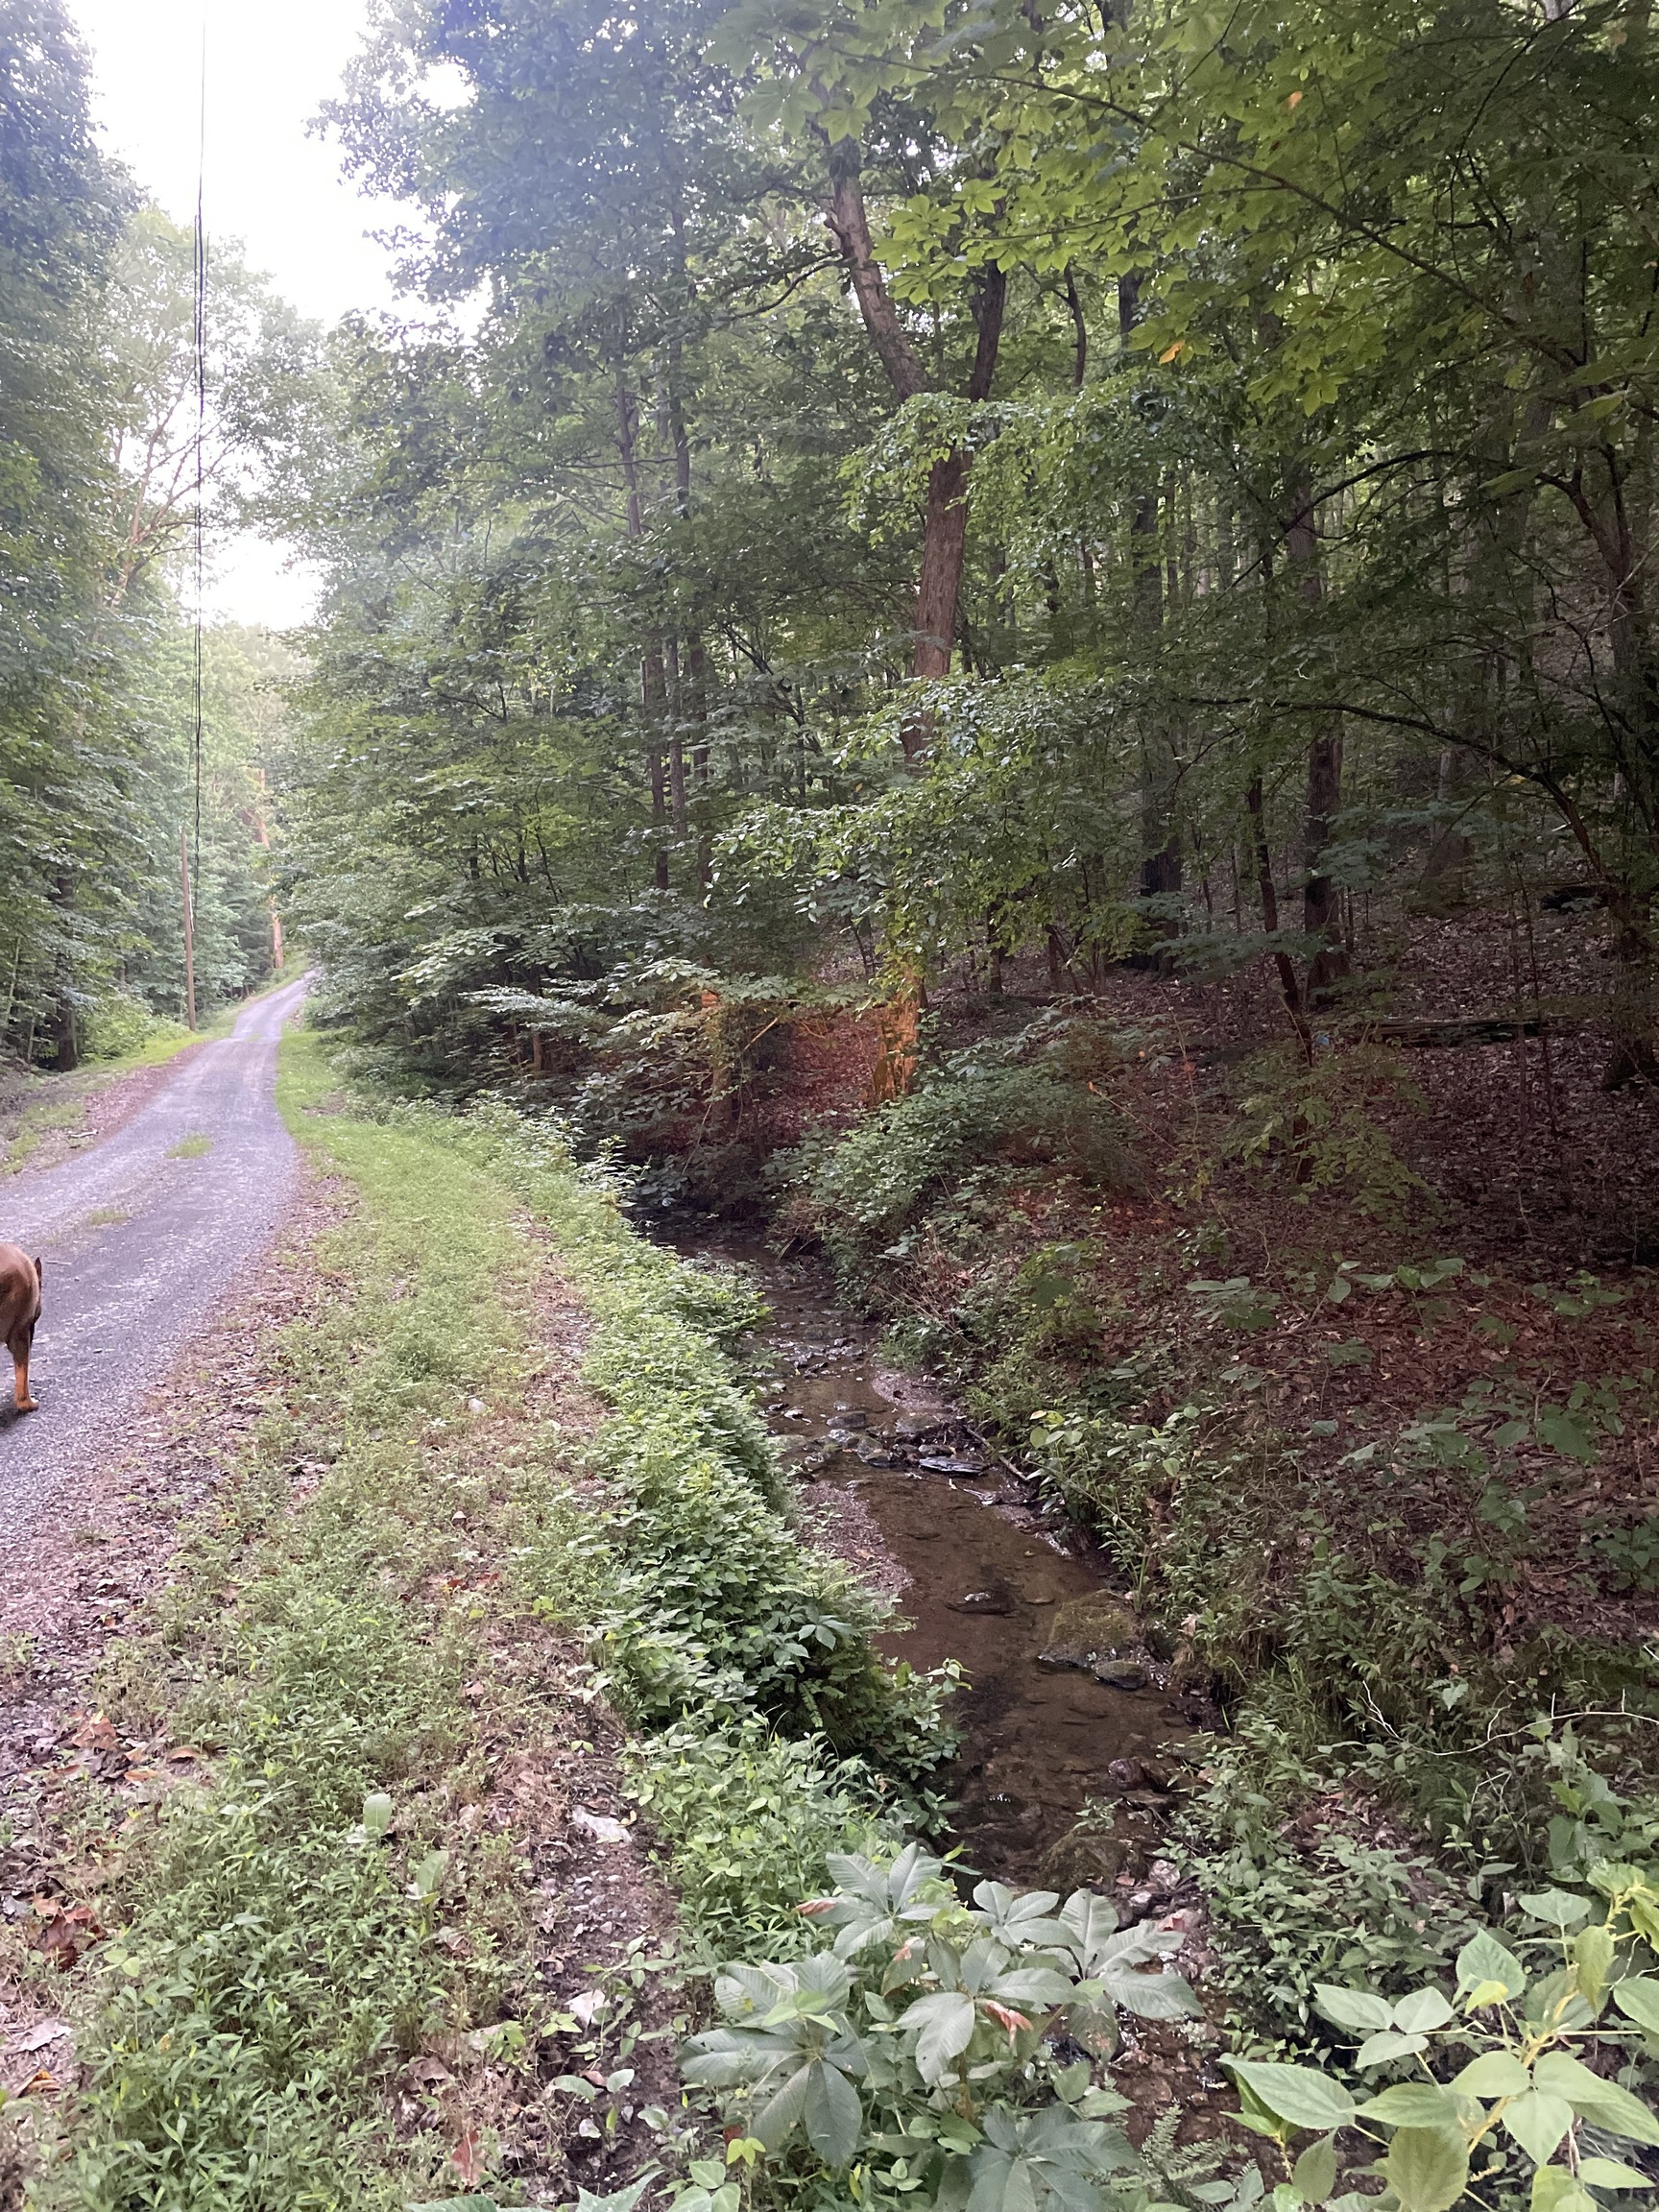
(1068, 1719)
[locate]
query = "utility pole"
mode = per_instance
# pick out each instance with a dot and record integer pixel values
(189, 929)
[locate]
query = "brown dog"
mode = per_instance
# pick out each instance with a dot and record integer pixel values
(19, 1312)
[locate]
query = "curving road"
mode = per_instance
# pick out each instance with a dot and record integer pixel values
(140, 1236)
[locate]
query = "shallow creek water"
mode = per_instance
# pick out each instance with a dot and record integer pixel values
(893, 1480)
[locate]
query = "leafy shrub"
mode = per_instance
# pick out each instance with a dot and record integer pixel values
(915, 2045)
(1295, 1898)
(118, 1024)
(864, 1190)
(1628, 1556)
(750, 1819)
(1319, 1119)
(1498, 2068)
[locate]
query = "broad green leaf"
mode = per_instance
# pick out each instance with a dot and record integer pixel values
(1295, 2093)
(1357, 2009)
(1637, 2000)
(1609, 2173)
(1593, 1957)
(1413, 2104)
(1378, 2050)
(833, 2115)
(1538, 2121)
(622, 2200)
(1154, 1996)
(1423, 2010)
(1020, 1917)
(942, 2024)
(777, 2119)
(1033, 1989)
(1088, 1922)
(376, 1814)
(430, 1876)
(1558, 1907)
(1494, 2074)
(1614, 1877)
(1603, 2103)
(1483, 1962)
(1314, 2173)
(1554, 2190)
(1426, 2168)
(1563, 1433)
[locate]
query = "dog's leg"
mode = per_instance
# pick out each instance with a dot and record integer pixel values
(20, 1380)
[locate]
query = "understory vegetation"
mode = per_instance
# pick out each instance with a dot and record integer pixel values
(366, 1695)
(384, 1638)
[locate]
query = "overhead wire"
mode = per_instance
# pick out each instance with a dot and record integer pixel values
(199, 275)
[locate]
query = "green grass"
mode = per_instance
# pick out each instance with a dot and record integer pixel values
(191, 1147)
(275, 1968)
(372, 1639)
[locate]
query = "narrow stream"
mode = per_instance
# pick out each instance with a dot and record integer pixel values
(1064, 1711)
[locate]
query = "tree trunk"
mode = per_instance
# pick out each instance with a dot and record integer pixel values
(1160, 770)
(1321, 915)
(652, 680)
(945, 530)
(1283, 963)
(65, 1044)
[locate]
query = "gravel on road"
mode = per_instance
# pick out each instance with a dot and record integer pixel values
(140, 1239)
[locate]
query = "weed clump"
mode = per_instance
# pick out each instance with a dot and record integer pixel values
(867, 1192)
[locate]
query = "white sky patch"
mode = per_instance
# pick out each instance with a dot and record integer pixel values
(268, 181)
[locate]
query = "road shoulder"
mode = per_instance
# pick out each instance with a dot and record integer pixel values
(343, 1457)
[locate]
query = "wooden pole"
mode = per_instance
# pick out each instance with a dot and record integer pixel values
(189, 930)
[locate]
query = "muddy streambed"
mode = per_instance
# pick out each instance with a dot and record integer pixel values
(1064, 1714)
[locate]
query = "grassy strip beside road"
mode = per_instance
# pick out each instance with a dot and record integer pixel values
(367, 1638)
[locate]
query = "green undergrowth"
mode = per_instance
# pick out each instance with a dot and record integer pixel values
(386, 1588)
(769, 1728)
(279, 1954)
(1353, 1584)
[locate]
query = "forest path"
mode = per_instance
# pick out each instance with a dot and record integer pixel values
(140, 1239)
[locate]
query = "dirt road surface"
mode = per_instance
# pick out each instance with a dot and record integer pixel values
(140, 1237)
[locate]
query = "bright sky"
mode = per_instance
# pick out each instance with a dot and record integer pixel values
(271, 64)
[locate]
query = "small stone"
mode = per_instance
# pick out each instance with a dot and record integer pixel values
(1119, 1673)
(981, 1601)
(598, 1825)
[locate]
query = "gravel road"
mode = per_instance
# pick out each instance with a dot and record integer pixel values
(140, 1237)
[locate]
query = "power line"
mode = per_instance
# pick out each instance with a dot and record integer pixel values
(199, 277)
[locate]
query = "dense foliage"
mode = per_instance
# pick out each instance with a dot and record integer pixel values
(103, 465)
(1261, 407)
